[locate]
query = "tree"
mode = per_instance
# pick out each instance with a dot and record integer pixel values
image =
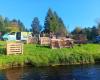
(11, 26)
(49, 22)
(2, 28)
(36, 27)
(77, 30)
(61, 29)
(94, 32)
(21, 26)
(98, 29)
(53, 23)
(87, 32)
(14, 27)
(7, 24)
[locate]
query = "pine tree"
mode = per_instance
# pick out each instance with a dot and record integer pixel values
(21, 26)
(94, 32)
(49, 21)
(14, 27)
(62, 28)
(6, 24)
(36, 27)
(53, 23)
(2, 28)
(77, 30)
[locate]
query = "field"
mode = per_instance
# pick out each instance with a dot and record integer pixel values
(37, 55)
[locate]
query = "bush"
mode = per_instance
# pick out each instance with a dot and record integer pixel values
(2, 51)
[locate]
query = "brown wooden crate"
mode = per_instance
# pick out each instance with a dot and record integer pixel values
(54, 43)
(60, 43)
(44, 40)
(14, 48)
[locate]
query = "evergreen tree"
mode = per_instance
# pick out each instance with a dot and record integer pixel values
(53, 23)
(14, 27)
(21, 26)
(49, 22)
(94, 32)
(6, 24)
(77, 30)
(98, 29)
(36, 27)
(87, 32)
(2, 28)
(11, 26)
(61, 28)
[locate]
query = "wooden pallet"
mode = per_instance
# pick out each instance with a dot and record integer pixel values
(54, 43)
(45, 41)
(14, 48)
(61, 43)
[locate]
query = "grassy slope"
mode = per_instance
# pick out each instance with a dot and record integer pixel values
(43, 56)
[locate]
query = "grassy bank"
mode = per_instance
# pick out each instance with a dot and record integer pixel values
(43, 56)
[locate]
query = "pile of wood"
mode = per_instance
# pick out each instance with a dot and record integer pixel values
(56, 43)
(61, 43)
(44, 41)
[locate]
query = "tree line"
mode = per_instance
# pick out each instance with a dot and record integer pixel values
(89, 32)
(52, 24)
(14, 25)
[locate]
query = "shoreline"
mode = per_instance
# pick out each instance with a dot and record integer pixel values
(51, 65)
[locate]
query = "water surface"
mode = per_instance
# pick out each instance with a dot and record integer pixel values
(86, 72)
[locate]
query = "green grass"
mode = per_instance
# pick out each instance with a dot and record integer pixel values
(43, 56)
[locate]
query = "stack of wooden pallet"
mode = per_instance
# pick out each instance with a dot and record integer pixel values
(61, 43)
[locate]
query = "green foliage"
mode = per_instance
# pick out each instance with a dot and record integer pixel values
(53, 23)
(50, 22)
(2, 28)
(91, 33)
(42, 56)
(36, 27)
(21, 26)
(77, 30)
(2, 51)
(10, 26)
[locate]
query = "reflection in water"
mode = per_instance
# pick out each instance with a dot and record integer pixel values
(13, 74)
(86, 72)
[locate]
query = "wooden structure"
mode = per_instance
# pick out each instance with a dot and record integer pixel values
(54, 43)
(68, 42)
(14, 48)
(44, 40)
(80, 39)
(30, 40)
(61, 43)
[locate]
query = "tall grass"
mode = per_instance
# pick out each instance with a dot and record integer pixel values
(43, 56)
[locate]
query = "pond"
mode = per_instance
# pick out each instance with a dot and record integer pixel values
(76, 72)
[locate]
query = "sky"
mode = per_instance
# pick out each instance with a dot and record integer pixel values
(74, 13)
